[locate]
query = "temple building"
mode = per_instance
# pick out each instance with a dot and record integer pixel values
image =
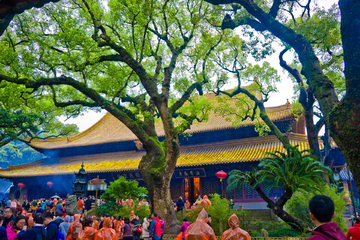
(109, 150)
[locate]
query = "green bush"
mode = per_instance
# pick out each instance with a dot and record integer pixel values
(284, 232)
(116, 210)
(297, 206)
(124, 189)
(255, 234)
(257, 225)
(108, 207)
(219, 209)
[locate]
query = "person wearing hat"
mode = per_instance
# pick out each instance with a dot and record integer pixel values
(183, 227)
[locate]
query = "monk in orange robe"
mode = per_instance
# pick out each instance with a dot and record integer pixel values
(73, 226)
(106, 232)
(96, 223)
(200, 230)
(205, 201)
(235, 233)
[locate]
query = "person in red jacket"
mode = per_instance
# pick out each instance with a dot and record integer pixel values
(322, 210)
(354, 231)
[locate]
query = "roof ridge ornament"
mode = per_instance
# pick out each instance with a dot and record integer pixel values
(288, 104)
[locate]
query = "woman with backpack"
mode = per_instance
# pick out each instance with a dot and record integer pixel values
(87, 232)
(126, 229)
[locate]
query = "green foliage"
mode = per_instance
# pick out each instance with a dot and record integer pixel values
(124, 189)
(293, 170)
(298, 205)
(257, 225)
(255, 234)
(108, 207)
(116, 210)
(261, 82)
(219, 209)
(284, 232)
(17, 153)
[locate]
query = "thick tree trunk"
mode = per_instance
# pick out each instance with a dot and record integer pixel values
(157, 178)
(345, 117)
(11, 8)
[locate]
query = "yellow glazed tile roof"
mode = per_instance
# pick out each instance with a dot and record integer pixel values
(110, 129)
(234, 151)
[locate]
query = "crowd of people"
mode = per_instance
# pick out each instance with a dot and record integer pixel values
(56, 205)
(53, 224)
(47, 220)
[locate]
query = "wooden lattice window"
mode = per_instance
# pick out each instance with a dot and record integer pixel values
(216, 186)
(177, 189)
(206, 186)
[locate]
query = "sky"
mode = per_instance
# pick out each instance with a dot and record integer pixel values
(285, 88)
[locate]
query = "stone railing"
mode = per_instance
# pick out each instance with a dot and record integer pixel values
(172, 237)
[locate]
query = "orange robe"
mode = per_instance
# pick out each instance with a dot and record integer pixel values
(73, 225)
(54, 206)
(30, 220)
(200, 230)
(235, 233)
(87, 234)
(96, 223)
(187, 204)
(80, 204)
(132, 215)
(106, 232)
(205, 201)
(118, 225)
(129, 203)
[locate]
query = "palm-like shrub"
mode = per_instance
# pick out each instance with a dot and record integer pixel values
(292, 170)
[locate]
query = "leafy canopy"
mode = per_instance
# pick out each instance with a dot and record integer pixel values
(124, 189)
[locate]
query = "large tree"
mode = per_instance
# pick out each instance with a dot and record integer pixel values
(341, 115)
(139, 60)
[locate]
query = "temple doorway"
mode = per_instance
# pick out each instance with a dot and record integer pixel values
(191, 189)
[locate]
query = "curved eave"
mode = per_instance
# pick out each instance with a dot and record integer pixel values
(110, 130)
(234, 151)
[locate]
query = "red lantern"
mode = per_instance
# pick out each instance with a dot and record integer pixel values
(50, 184)
(221, 174)
(21, 185)
(95, 180)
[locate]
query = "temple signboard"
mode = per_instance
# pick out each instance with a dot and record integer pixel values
(190, 173)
